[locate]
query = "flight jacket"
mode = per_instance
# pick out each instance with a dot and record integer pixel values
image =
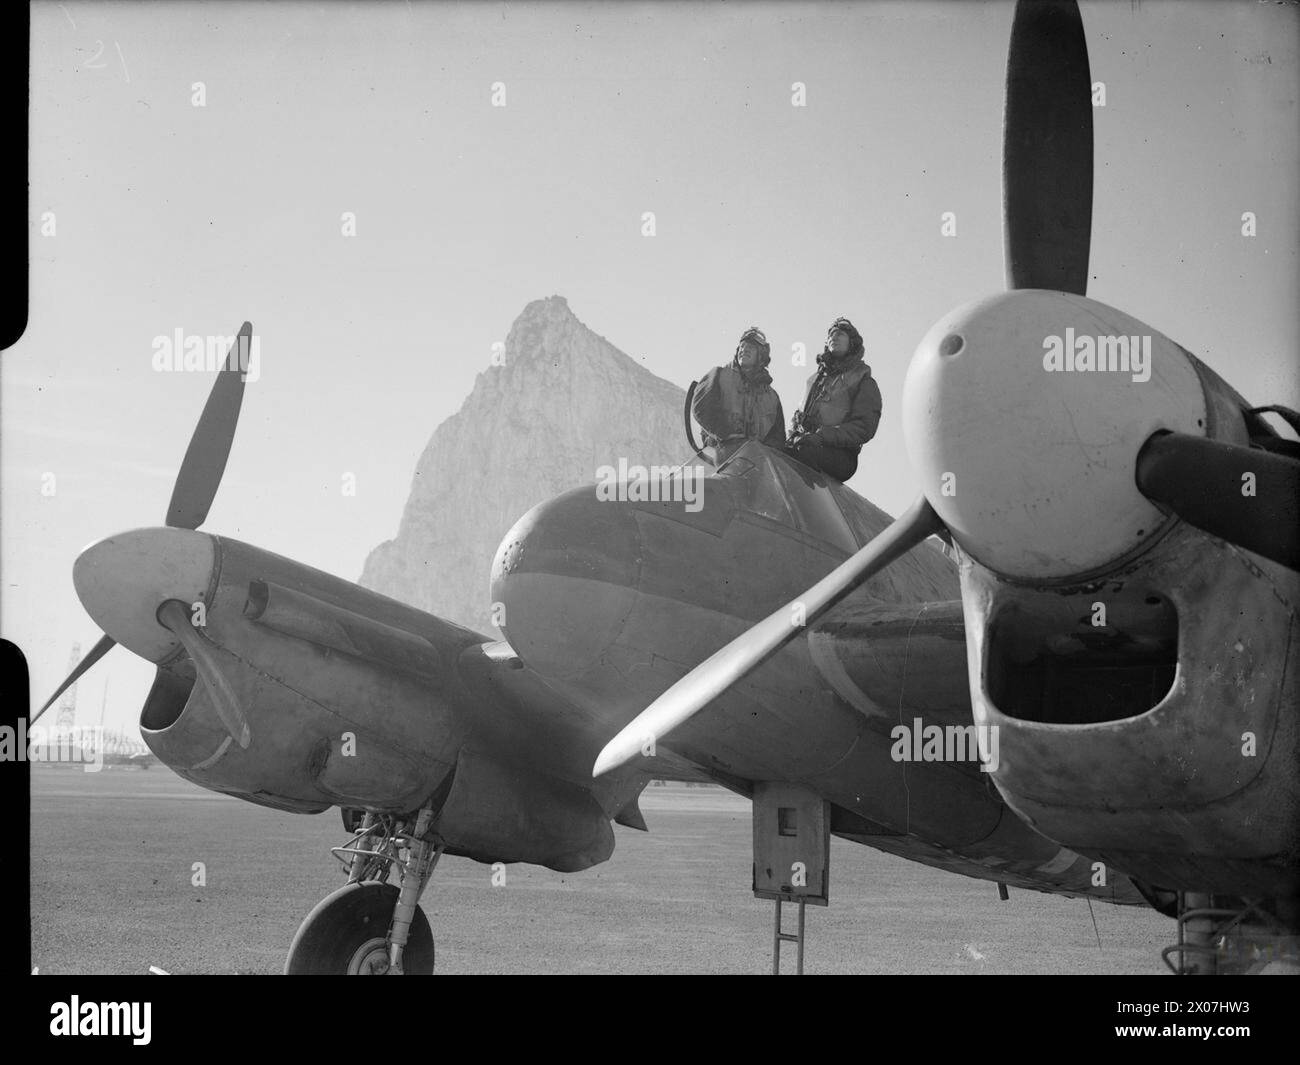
(843, 405)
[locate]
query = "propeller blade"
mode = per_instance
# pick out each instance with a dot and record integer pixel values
(95, 654)
(1047, 149)
(748, 651)
(174, 615)
(1205, 483)
(205, 459)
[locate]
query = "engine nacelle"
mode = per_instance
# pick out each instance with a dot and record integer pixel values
(496, 812)
(350, 696)
(1140, 718)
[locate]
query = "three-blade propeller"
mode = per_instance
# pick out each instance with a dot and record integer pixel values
(1047, 227)
(192, 496)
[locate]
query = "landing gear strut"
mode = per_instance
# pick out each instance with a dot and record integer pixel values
(1227, 934)
(370, 927)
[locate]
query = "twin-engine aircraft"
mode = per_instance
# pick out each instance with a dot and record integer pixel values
(1090, 692)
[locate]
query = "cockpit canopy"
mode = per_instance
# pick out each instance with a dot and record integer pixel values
(781, 488)
(764, 485)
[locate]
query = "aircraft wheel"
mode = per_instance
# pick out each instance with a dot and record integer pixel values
(346, 934)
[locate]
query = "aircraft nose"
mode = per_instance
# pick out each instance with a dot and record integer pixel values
(1025, 447)
(565, 579)
(124, 578)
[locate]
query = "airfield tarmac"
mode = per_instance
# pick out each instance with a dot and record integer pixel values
(113, 853)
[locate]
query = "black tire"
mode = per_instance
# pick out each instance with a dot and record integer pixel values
(349, 926)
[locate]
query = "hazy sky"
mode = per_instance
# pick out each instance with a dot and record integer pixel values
(170, 216)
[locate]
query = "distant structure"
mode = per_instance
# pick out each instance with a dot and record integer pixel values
(68, 704)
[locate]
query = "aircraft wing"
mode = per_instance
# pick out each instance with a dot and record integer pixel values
(891, 663)
(517, 710)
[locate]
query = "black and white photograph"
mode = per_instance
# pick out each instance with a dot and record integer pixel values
(660, 488)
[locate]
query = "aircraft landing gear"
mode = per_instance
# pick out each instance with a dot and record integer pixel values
(370, 927)
(347, 933)
(1226, 934)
